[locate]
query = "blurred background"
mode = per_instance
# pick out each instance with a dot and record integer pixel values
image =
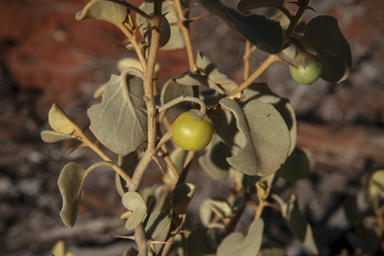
(47, 56)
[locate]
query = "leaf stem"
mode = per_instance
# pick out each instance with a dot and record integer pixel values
(183, 98)
(268, 62)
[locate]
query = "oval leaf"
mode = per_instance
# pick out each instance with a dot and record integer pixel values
(332, 50)
(59, 121)
(157, 222)
(266, 34)
(119, 122)
(266, 139)
(236, 244)
(71, 181)
(261, 92)
(104, 10)
(173, 90)
(135, 203)
(52, 136)
(297, 222)
(296, 167)
(181, 197)
(376, 184)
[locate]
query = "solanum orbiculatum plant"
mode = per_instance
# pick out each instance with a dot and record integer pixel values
(247, 132)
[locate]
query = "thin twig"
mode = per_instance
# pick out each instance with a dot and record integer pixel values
(183, 98)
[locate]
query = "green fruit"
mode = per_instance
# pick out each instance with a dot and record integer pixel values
(309, 74)
(191, 132)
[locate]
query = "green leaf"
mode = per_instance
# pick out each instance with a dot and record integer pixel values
(297, 222)
(246, 5)
(52, 136)
(135, 203)
(181, 197)
(173, 90)
(214, 161)
(266, 34)
(376, 184)
(236, 244)
(118, 122)
(323, 38)
(261, 92)
(59, 121)
(157, 222)
(263, 140)
(296, 167)
(175, 38)
(71, 181)
(104, 10)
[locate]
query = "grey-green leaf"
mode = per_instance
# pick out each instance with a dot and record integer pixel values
(135, 203)
(236, 244)
(266, 139)
(173, 90)
(266, 34)
(104, 10)
(52, 136)
(261, 92)
(214, 161)
(246, 5)
(323, 38)
(157, 222)
(296, 167)
(71, 181)
(181, 197)
(119, 122)
(297, 222)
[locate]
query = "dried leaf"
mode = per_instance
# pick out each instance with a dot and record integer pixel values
(214, 161)
(323, 38)
(59, 121)
(265, 137)
(236, 244)
(135, 203)
(71, 181)
(119, 122)
(52, 136)
(297, 222)
(266, 34)
(181, 197)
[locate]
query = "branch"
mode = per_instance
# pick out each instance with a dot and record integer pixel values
(183, 98)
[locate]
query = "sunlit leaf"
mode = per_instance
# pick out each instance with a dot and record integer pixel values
(71, 181)
(265, 137)
(296, 167)
(135, 203)
(119, 122)
(323, 38)
(261, 92)
(181, 197)
(52, 136)
(59, 248)
(297, 222)
(266, 34)
(104, 10)
(236, 244)
(214, 161)
(376, 184)
(59, 121)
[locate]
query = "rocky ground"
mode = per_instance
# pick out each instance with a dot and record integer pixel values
(47, 56)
